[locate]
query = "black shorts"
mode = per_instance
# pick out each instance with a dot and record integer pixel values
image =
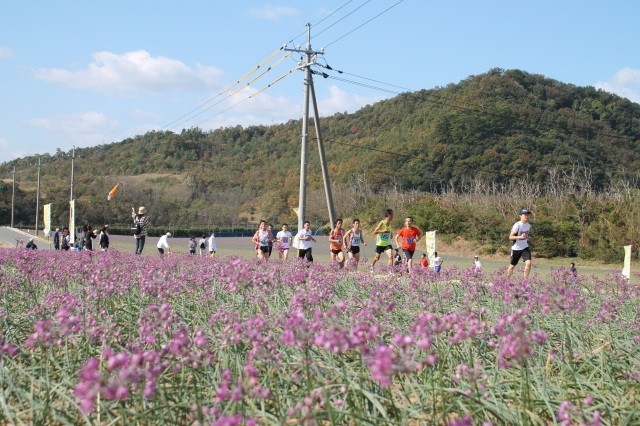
(382, 249)
(305, 253)
(160, 250)
(517, 254)
(408, 254)
(336, 251)
(192, 252)
(264, 249)
(354, 249)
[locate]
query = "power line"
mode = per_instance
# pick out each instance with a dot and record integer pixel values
(344, 17)
(326, 66)
(249, 97)
(365, 23)
(266, 60)
(368, 86)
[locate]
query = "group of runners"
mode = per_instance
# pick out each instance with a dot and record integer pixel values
(353, 239)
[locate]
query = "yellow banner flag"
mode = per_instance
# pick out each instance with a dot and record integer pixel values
(430, 241)
(626, 270)
(46, 213)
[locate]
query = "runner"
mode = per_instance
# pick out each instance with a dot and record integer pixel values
(284, 238)
(352, 239)
(410, 236)
(336, 240)
(383, 239)
(520, 249)
(305, 237)
(261, 240)
(272, 238)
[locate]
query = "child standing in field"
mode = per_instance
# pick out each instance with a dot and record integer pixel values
(192, 245)
(424, 262)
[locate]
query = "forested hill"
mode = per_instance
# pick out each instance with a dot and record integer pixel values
(495, 127)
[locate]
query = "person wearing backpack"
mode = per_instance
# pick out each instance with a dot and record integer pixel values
(140, 227)
(202, 244)
(520, 250)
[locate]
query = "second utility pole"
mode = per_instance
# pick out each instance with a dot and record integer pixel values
(310, 92)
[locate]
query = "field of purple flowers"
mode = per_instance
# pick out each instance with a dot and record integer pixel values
(105, 338)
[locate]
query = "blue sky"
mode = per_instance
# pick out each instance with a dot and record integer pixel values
(89, 73)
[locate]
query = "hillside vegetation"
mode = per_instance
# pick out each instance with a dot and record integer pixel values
(470, 154)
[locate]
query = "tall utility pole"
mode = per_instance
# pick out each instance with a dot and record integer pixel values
(73, 157)
(309, 92)
(13, 194)
(38, 195)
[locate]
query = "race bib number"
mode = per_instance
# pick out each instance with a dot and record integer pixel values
(284, 240)
(385, 237)
(409, 240)
(356, 240)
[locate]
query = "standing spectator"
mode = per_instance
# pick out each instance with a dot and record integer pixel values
(212, 244)
(202, 244)
(424, 262)
(140, 227)
(476, 263)
(31, 245)
(520, 236)
(88, 235)
(410, 236)
(104, 238)
(193, 245)
(56, 239)
(305, 237)
(573, 270)
(65, 239)
(437, 262)
(163, 244)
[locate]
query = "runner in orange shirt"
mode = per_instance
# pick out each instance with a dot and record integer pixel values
(410, 236)
(336, 242)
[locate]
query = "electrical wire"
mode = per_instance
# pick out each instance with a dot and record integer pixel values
(326, 66)
(368, 86)
(249, 97)
(365, 23)
(225, 90)
(339, 20)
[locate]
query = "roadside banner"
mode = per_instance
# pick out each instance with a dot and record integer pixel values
(626, 270)
(72, 222)
(430, 241)
(46, 213)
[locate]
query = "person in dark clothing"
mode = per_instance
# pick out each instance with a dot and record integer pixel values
(88, 236)
(56, 239)
(104, 238)
(31, 245)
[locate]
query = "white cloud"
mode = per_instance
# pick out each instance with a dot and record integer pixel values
(273, 13)
(86, 129)
(626, 82)
(5, 52)
(8, 152)
(341, 101)
(133, 72)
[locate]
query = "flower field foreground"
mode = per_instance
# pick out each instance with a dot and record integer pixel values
(108, 338)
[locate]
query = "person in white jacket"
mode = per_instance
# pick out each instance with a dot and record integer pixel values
(163, 244)
(212, 244)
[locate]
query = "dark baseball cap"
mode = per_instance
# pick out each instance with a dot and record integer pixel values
(524, 211)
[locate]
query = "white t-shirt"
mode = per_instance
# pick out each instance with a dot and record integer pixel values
(303, 243)
(520, 228)
(212, 243)
(437, 261)
(284, 238)
(477, 264)
(163, 243)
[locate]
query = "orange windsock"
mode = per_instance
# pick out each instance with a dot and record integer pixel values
(113, 192)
